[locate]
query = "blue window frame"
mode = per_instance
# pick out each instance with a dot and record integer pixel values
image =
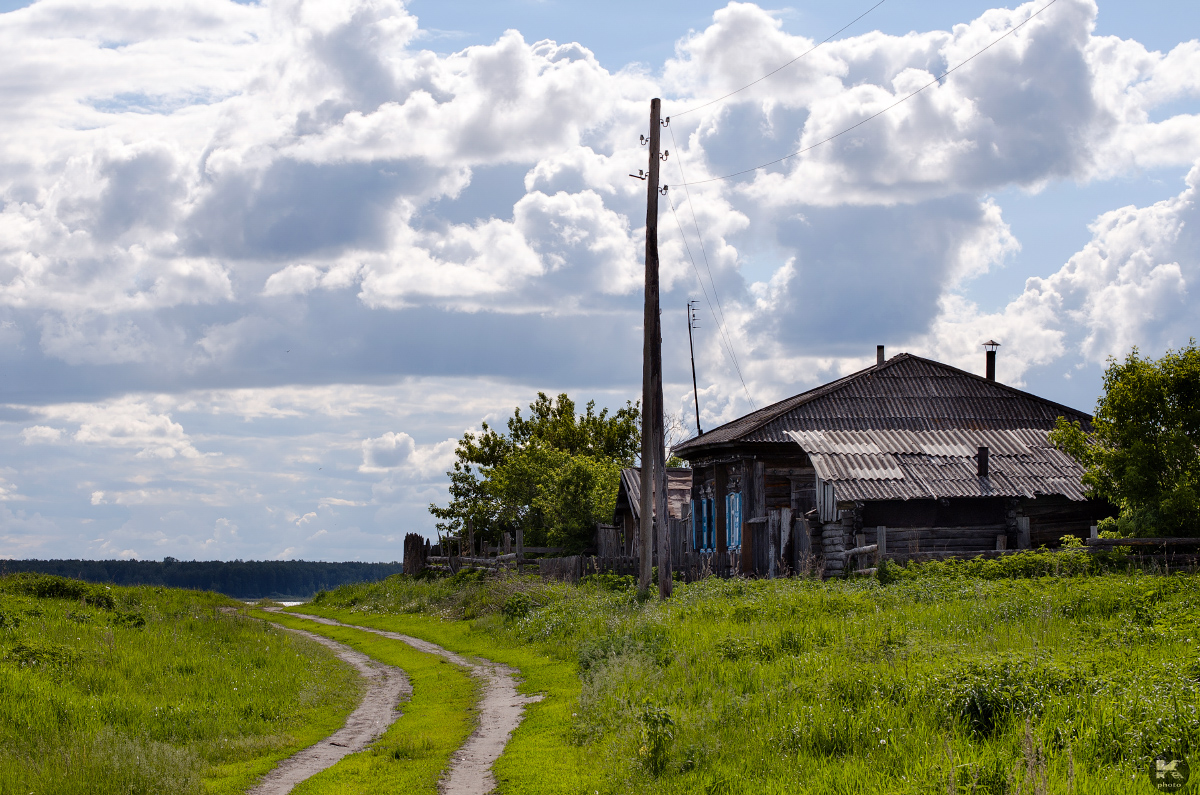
(712, 525)
(733, 520)
(704, 524)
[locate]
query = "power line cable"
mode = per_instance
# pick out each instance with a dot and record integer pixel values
(901, 101)
(786, 65)
(724, 337)
(722, 324)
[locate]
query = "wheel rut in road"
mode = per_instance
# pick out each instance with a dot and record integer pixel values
(501, 709)
(387, 686)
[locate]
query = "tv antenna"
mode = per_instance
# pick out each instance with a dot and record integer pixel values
(694, 323)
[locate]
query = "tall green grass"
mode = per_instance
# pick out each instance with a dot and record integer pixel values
(152, 690)
(940, 683)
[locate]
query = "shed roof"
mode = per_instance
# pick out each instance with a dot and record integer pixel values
(905, 393)
(679, 484)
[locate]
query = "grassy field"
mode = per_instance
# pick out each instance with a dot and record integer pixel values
(152, 690)
(950, 679)
(414, 751)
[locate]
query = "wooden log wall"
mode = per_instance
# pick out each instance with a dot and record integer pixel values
(778, 490)
(1051, 518)
(913, 540)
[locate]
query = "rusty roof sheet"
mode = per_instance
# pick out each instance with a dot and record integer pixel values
(905, 394)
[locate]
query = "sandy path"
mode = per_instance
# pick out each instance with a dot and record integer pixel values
(500, 711)
(386, 686)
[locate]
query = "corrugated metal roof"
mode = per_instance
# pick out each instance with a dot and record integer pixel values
(898, 464)
(905, 393)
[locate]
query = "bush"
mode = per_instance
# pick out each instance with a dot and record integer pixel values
(888, 572)
(988, 695)
(49, 586)
(1073, 560)
(517, 606)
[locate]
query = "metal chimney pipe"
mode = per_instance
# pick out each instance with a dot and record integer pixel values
(982, 461)
(990, 346)
(879, 357)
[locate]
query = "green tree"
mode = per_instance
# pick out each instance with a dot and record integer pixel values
(554, 474)
(1143, 454)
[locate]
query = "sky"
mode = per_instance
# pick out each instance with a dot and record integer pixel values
(262, 264)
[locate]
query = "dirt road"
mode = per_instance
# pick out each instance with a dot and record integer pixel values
(500, 711)
(387, 686)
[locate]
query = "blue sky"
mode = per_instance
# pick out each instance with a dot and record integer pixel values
(261, 264)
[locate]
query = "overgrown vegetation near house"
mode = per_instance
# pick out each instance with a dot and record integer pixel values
(553, 474)
(144, 691)
(1143, 454)
(952, 678)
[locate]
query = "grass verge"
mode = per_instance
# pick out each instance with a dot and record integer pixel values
(415, 750)
(152, 690)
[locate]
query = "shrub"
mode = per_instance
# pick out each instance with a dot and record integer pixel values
(517, 606)
(49, 586)
(987, 695)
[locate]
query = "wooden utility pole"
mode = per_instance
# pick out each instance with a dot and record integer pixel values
(654, 470)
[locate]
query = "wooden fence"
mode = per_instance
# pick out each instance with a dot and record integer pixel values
(785, 546)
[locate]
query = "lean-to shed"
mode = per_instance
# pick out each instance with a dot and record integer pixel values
(628, 509)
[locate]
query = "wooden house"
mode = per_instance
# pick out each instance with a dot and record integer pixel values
(947, 461)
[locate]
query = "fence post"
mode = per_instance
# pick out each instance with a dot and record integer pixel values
(881, 540)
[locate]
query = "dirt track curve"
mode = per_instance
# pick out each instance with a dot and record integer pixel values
(386, 687)
(500, 711)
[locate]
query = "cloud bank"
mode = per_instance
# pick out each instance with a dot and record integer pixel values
(261, 265)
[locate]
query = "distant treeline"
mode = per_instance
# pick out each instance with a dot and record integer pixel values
(249, 579)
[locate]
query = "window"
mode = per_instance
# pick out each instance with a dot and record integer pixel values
(709, 524)
(704, 524)
(733, 520)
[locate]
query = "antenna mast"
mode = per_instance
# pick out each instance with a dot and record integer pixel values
(691, 312)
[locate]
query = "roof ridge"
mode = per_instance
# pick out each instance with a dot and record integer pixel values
(994, 383)
(754, 422)
(808, 394)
